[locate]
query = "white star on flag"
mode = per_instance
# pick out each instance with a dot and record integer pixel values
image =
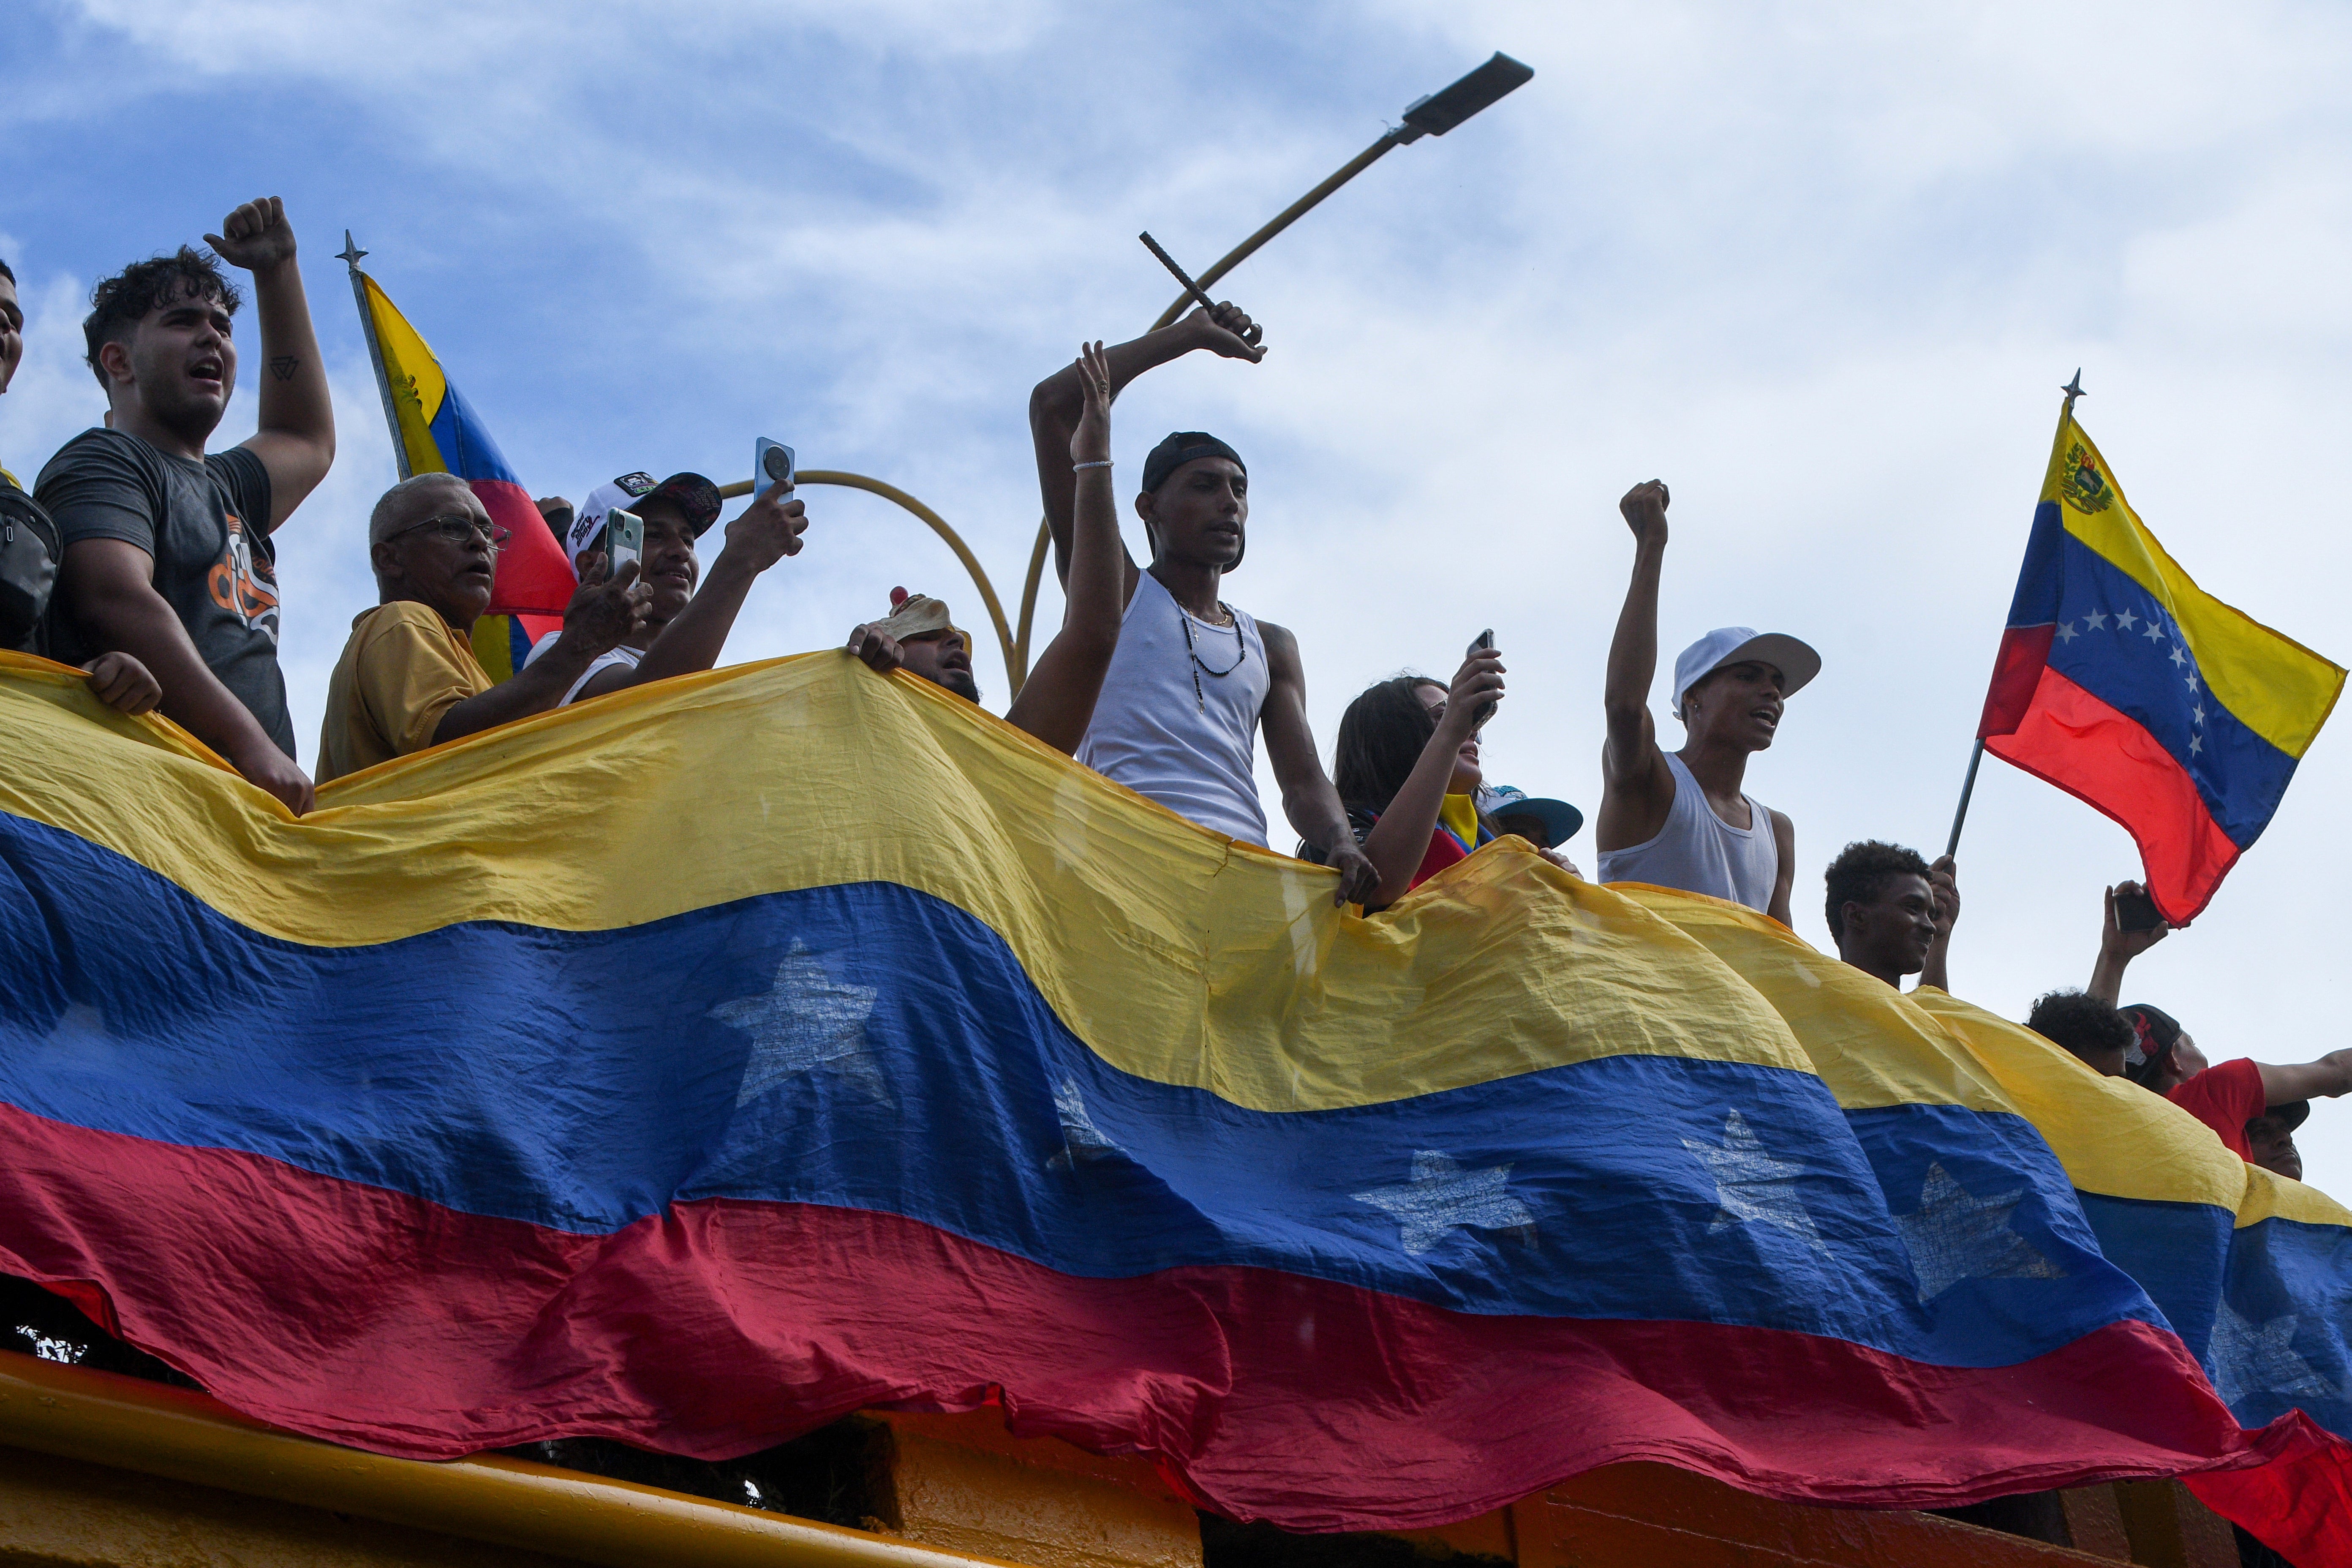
(2196, 744)
(2066, 632)
(2251, 1358)
(2197, 713)
(1953, 1237)
(2178, 657)
(2192, 678)
(1441, 1196)
(2095, 621)
(2155, 631)
(1751, 1184)
(806, 1022)
(1081, 1139)
(2125, 619)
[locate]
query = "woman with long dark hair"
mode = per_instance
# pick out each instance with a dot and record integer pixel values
(1407, 772)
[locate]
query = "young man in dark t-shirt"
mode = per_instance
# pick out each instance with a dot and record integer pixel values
(168, 554)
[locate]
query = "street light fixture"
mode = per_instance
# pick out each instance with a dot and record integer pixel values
(1441, 112)
(1433, 115)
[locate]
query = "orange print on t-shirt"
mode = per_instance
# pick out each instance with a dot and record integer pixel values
(241, 581)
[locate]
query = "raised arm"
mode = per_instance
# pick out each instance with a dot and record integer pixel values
(1308, 798)
(769, 530)
(602, 615)
(110, 585)
(1637, 787)
(1057, 700)
(296, 440)
(1058, 402)
(1397, 842)
(1943, 882)
(2330, 1076)
(2118, 947)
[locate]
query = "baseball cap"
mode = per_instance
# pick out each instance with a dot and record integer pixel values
(1797, 662)
(920, 616)
(694, 496)
(1560, 820)
(2293, 1114)
(1180, 448)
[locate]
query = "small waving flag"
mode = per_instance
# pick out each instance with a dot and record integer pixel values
(436, 431)
(2127, 686)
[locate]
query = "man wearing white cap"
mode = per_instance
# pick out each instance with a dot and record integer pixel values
(1680, 819)
(686, 619)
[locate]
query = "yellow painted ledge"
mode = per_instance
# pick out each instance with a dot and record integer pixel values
(103, 1419)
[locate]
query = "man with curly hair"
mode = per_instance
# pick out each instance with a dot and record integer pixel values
(168, 552)
(2087, 1026)
(1891, 913)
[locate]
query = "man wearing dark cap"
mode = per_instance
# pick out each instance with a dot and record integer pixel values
(2270, 1137)
(1681, 819)
(2228, 1096)
(1194, 681)
(684, 631)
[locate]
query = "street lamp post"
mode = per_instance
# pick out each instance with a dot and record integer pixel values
(1433, 115)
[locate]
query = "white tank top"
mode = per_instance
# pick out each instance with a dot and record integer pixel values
(1193, 749)
(1699, 852)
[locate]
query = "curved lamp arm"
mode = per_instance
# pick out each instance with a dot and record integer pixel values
(1016, 656)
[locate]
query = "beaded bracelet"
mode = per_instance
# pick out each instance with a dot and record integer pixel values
(1104, 464)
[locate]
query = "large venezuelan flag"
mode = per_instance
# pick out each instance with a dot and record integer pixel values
(919, 1066)
(439, 433)
(2124, 683)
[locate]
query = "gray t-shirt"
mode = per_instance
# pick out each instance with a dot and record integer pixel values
(206, 525)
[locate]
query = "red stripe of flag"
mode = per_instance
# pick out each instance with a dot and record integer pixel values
(375, 1319)
(2065, 736)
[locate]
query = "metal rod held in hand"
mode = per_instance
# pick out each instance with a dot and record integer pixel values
(1169, 262)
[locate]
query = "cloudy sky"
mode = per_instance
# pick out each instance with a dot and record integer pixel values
(1820, 268)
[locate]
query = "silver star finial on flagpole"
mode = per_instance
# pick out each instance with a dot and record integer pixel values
(2073, 389)
(350, 253)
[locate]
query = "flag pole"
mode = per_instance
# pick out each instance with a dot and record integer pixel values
(1967, 788)
(2072, 389)
(350, 256)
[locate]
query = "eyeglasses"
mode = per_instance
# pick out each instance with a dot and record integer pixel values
(460, 526)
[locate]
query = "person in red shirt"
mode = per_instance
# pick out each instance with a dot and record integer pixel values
(2164, 1058)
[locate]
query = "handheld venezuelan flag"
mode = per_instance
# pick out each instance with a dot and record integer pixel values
(2127, 686)
(1002, 1084)
(436, 431)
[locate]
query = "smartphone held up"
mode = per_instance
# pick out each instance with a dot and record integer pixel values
(1484, 643)
(773, 464)
(625, 540)
(2137, 911)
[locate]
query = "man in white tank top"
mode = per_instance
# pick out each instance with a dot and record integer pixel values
(1194, 681)
(1680, 819)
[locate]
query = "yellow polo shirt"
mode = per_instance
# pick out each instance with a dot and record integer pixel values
(403, 669)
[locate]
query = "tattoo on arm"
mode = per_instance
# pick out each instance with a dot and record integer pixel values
(284, 366)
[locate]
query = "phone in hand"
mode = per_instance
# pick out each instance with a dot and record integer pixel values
(624, 541)
(772, 465)
(1483, 643)
(2137, 911)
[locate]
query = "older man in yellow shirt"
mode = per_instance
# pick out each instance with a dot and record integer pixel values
(408, 679)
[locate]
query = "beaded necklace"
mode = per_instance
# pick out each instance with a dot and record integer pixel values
(1200, 695)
